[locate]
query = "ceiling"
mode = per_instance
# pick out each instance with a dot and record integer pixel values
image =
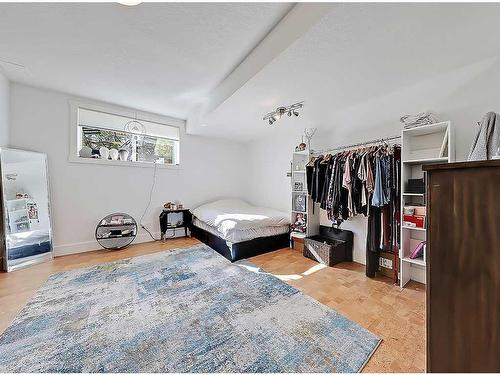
(354, 54)
(158, 57)
(170, 58)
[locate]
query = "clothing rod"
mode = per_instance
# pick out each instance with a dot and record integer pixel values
(380, 140)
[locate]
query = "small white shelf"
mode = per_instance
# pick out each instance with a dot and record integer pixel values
(427, 161)
(16, 211)
(19, 222)
(427, 129)
(304, 152)
(416, 261)
(299, 171)
(414, 194)
(413, 228)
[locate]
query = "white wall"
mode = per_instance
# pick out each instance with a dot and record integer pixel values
(462, 96)
(81, 194)
(4, 109)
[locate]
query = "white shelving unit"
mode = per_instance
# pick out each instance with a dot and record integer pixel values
(19, 217)
(425, 144)
(302, 204)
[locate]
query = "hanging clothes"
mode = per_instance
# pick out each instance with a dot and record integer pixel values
(487, 140)
(361, 182)
(373, 242)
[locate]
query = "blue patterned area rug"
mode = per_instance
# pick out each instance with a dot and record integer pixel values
(188, 310)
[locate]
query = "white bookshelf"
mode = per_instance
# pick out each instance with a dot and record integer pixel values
(19, 218)
(426, 144)
(299, 161)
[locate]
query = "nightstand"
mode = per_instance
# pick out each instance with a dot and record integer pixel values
(182, 220)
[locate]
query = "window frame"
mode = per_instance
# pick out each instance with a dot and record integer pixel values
(75, 105)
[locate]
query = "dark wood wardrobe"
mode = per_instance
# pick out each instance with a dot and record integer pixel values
(463, 269)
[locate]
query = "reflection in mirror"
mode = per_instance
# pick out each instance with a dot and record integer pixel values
(25, 204)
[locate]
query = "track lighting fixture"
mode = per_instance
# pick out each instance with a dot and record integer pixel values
(274, 116)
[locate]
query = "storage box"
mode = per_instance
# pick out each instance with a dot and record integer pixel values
(386, 264)
(325, 250)
(298, 244)
(416, 185)
(419, 221)
(420, 211)
(417, 210)
(339, 234)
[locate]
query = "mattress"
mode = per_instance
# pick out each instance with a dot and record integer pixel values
(235, 236)
(234, 214)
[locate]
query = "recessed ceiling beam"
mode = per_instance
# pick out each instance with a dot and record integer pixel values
(291, 27)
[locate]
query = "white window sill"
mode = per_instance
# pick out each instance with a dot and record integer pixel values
(119, 163)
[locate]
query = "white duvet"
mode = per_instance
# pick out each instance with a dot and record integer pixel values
(231, 215)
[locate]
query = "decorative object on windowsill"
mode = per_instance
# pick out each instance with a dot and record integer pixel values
(309, 134)
(135, 126)
(113, 154)
(279, 112)
(85, 152)
(116, 231)
(423, 118)
(123, 154)
(104, 152)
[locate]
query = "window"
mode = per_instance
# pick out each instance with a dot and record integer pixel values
(107, 136)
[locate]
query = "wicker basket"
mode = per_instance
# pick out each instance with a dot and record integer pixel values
(325, 250)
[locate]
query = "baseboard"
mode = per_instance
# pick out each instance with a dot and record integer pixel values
(83, 247)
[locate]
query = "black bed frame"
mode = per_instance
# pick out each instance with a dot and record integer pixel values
(243, 249)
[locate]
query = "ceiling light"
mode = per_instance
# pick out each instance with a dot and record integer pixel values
(129, 3)
(275, 115)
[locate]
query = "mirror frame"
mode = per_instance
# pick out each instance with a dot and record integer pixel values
(35, 259)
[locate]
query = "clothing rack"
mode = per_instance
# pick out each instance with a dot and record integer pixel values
(330, 150)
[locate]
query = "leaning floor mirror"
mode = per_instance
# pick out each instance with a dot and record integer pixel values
(26, 229)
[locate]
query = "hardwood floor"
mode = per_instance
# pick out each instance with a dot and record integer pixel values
(395, 315)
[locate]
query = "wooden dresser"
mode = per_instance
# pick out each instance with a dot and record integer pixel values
(463, 269)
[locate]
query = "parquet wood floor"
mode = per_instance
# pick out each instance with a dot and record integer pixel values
(395, 315)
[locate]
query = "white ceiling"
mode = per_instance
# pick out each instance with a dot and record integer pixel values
(356, 53)
(158, 57)
(168, 58)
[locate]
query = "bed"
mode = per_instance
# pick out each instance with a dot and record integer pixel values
(238, 230)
